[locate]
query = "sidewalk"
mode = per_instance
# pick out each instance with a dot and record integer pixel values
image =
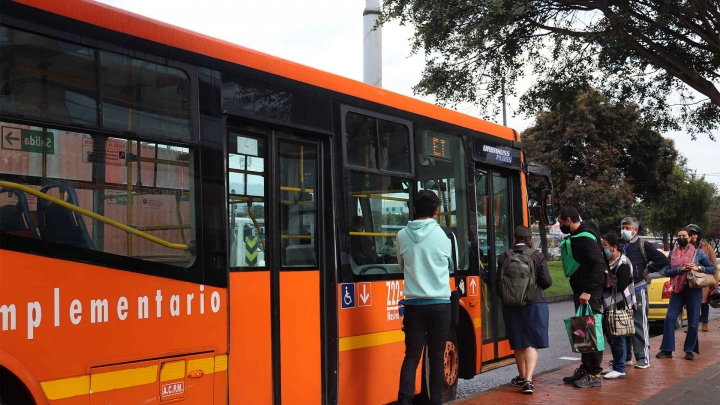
(667, 381)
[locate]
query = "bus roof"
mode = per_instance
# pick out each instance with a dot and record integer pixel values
(125, 22)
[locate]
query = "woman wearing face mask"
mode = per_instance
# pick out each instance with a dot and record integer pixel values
(684, 258)
(620, 276)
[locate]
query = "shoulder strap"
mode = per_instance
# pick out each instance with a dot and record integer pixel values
(642, 250)
(584, 235)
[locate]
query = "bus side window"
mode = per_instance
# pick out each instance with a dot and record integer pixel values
(91, 173)
(441, 168)
(246, 191)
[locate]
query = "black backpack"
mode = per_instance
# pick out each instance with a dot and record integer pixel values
(516, 279)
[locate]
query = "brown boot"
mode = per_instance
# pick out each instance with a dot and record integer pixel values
(704, 327)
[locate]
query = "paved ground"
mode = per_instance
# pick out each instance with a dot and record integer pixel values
(667, 381)
(557, 355)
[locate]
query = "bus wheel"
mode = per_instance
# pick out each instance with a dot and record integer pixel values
(12, 390)
(452, 367)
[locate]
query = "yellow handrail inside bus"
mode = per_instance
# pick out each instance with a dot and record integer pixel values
(92, 215)
(380, 197)
(372, 234)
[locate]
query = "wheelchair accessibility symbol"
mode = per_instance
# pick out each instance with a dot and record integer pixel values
(348, 295)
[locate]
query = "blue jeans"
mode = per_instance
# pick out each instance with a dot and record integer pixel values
(618, 348)
(691, 298)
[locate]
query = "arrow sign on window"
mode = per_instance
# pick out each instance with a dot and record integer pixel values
(365, 290)
(9, 139)
(474, 286)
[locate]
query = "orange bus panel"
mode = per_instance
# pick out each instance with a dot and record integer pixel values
(300, 351)
(58, 309)
(250, 338)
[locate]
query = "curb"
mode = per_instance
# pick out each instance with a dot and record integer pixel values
(559, 298)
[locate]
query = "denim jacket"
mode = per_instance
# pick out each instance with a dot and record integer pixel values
(701, 260)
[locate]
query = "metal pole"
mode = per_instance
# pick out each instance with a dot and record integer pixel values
(372, 44)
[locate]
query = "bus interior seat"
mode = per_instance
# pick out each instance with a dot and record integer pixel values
(61, 225)
(376, 268)
(15, 219)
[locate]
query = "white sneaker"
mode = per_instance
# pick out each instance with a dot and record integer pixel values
(629, 363)
(612, 375)
(606, 371)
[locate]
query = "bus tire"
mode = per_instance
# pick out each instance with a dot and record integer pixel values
(13, 391)
(452, 369)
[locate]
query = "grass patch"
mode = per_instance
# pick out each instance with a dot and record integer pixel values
(561, 284)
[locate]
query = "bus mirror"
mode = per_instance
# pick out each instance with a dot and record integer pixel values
(547, 207)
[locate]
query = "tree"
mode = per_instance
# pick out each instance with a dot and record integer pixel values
(603, 156)
(712, 235)
(686, 199)
(649, 50)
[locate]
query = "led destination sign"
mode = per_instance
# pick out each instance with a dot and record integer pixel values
(497, 155)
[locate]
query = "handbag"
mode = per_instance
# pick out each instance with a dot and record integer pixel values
(620, 322)
(697, 279)
(585, 331)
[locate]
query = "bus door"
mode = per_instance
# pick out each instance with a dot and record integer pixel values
(494, 237)
(275, 281)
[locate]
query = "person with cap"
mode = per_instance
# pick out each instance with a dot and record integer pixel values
(645, 259)
(696, 239)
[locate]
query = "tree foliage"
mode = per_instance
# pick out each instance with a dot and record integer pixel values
(712, 235)
(664, 53)
(685, 199)
(603, 156)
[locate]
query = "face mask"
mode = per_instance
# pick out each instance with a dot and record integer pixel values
(626, 235)
(682, 242)
(565, 229)
(608, 254)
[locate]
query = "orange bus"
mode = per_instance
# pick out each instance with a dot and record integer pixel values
(186, 220)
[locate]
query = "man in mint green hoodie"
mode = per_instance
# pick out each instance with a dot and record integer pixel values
(424, 254)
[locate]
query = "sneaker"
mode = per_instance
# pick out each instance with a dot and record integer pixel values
(642, 363)
(627, 363)
(528, 387)
(613, 375)
(588, 381)
(606, 371)
(517, 381)
(578, 374)
(689, 356)
(704, 327)
(663, 354)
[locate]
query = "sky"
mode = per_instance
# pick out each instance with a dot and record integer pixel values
(328, 35)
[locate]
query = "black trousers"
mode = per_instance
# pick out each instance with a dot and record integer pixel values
(590, 362)
(424, 324)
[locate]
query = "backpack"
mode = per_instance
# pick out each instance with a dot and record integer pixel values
(516, 280)
(569, 264)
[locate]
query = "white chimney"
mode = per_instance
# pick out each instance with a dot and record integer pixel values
(372, 44)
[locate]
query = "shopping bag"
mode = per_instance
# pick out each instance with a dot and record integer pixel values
(619, 322)
(585, 331)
